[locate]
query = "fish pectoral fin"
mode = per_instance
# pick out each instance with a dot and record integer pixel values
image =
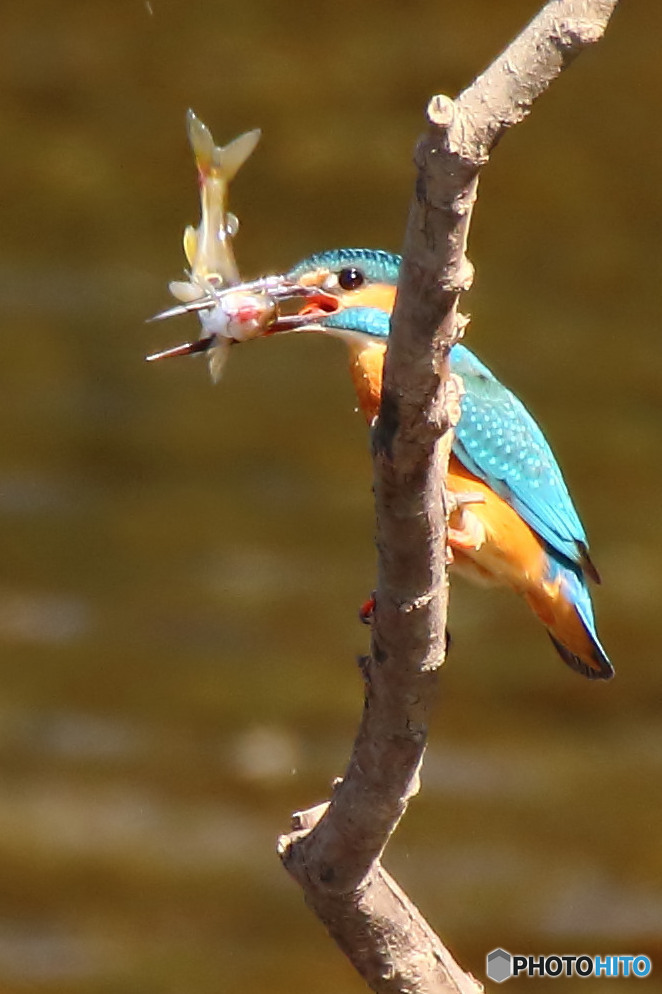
(190, 241)
(218, 356)
(185, 291)
(231, 224)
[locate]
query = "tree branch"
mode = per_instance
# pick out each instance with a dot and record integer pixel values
(335, 851)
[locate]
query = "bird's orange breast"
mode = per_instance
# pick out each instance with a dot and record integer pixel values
(366, 366)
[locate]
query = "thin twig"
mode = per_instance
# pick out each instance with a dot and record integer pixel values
(335, 852)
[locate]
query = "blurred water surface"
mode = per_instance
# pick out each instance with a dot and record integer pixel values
(182, 565)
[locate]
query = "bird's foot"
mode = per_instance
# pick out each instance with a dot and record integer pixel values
(465, 530)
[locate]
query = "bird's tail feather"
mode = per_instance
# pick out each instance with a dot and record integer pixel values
(564, 606)
(598, 666)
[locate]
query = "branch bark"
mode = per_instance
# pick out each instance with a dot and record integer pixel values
(335, 851)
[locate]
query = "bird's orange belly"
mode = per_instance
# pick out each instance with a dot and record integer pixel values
(507, 552)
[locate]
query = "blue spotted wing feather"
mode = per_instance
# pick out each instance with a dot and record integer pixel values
(498, 441)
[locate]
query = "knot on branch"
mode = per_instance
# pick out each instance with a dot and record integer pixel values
(302, 824)
(458, 280)
(305, 821)
(441, 111)
(461, 322)
(570, 35)
(454, 393)
(416, 603)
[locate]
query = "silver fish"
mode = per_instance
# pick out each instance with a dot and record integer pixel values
(229, 311)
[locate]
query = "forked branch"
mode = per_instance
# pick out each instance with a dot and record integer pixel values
(335, 852)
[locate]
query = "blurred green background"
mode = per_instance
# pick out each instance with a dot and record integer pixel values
(181, 565)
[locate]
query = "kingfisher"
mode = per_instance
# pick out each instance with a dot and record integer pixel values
(514, 523)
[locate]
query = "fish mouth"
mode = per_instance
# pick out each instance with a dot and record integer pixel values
(286, 306)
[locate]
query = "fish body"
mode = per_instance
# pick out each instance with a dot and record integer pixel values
(209, 247)
(225, 316)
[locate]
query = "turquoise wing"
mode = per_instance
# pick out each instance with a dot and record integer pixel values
(498, 441)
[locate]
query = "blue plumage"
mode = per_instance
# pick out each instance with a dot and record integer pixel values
(498, 441)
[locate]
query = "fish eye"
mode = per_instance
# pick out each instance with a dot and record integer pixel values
(351, 278)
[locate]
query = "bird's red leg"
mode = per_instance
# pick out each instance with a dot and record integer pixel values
(367, 610)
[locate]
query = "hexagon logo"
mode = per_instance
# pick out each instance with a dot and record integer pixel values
(499, 965)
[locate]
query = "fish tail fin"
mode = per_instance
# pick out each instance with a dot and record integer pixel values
(563, 604)
(224, 161)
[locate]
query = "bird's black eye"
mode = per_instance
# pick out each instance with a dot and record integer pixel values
(351, 278)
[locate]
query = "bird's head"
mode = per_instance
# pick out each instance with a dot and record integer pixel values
(361, 283)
